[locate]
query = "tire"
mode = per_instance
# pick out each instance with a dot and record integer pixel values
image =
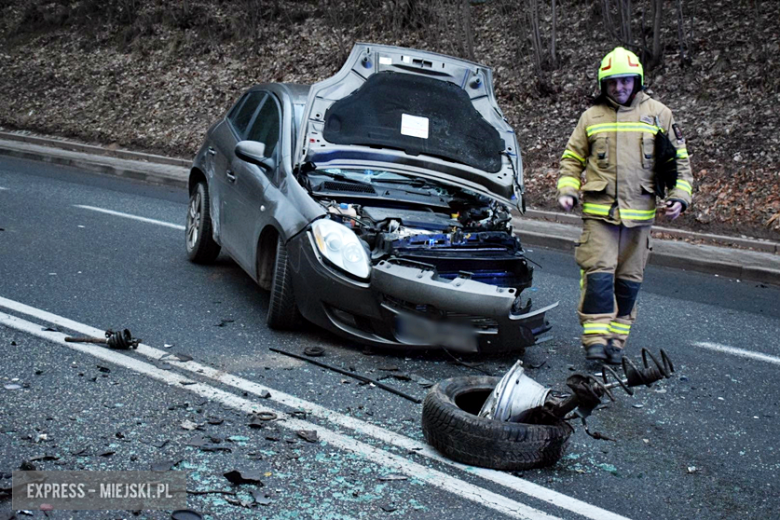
(199, 233)
(451, 425)
(282, 311)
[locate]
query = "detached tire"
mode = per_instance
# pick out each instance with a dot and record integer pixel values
(451, 425)
(282, 311)
(199, 234)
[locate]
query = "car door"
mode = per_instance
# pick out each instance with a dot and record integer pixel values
(252, 190)
(225, 137)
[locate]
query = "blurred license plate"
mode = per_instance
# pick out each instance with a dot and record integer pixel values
(421, 331)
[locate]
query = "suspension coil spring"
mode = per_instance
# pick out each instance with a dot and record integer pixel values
(647, 375)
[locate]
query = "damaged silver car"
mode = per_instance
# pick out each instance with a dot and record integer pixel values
(375, 203)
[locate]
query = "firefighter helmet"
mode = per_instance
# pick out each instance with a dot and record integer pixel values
(621, 63)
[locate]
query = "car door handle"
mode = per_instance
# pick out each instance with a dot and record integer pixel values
(212, 151)
(230, 176)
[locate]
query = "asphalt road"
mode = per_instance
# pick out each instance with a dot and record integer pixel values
(700, 445)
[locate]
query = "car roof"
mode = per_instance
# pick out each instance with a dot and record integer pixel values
(297, 92)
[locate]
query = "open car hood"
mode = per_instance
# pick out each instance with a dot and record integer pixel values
(417, 113)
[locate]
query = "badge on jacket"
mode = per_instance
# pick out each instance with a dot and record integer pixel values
(677, 132)
(647, 120)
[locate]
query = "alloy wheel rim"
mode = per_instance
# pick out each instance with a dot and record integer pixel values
(193, 221)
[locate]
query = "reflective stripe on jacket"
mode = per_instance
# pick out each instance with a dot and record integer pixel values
(615, 145)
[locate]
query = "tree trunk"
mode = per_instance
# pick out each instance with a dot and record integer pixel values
(553, 58)
(658, 55)
(468, 30)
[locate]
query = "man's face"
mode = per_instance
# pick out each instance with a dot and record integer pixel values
(620, 89)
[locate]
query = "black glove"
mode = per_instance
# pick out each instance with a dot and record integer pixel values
(665, 164)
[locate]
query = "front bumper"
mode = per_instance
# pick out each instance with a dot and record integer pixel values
(407, 306)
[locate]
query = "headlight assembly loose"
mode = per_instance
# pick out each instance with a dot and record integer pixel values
(341, 246)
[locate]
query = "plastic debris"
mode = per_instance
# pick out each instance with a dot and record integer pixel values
(243, 477)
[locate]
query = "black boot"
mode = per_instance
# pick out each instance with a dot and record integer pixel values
(613, 354)
(595, 352)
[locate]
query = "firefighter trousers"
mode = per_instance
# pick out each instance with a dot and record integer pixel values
(612, 261)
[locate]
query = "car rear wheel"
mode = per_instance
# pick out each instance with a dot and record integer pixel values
(451, 425)
(201, 246)
(282, 311)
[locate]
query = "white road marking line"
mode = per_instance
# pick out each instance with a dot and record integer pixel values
(1, 188)
(134, 217)
(738, 352)
(499, 477)
(443, 481)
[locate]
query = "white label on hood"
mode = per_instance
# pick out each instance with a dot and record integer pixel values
(414, 126)
(385, 61)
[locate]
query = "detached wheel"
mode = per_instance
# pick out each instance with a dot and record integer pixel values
(201, 247)
(282, 311)
(451, 425)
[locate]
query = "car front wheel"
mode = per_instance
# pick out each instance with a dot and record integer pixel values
(201, 246)
(282, 311)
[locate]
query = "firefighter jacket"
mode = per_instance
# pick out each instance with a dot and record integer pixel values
(615, 145)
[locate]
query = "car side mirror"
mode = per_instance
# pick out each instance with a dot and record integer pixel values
(254, 152)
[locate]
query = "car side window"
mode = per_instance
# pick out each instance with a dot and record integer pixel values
(265, 128)
(241, 117)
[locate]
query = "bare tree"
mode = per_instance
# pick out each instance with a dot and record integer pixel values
(553, 31)
(657, 55)
(468, 30)
(681, 37)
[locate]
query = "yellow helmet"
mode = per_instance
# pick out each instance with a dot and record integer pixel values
(621, 63)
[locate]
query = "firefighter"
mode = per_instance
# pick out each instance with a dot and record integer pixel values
(630, 149)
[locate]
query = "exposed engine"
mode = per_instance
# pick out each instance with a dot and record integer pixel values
(473, 240)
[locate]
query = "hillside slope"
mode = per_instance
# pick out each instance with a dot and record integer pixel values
(154, 75)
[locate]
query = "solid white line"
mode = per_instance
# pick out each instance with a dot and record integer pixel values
(480, 496)
(1, 188)
(738, 352)
(504, 479)
(134, 217)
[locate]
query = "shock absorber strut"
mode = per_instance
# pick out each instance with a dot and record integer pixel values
(587, 390)
(516, 394)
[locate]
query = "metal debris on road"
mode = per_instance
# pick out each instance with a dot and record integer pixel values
(393, 477)
(314, 351)
(265, 416)
(119, 340)
(350, 374)
(308, 435)
(517, 395)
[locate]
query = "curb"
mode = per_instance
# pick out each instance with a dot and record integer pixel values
(700, 264)
(755, 243)
(141, 168)
(761, 265)
(95, 150)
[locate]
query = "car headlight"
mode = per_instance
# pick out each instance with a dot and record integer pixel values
(341, 246)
